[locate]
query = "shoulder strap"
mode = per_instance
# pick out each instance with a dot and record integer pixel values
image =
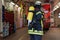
(39, 12)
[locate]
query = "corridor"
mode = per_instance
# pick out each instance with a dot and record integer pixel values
(14, 14)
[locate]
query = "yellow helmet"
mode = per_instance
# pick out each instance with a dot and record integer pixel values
(31, 8)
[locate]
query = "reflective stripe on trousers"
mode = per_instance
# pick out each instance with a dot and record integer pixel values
(35, 32)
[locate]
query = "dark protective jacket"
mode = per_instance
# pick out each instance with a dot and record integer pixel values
(36, 26)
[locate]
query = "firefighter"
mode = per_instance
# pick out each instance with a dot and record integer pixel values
(35, 28)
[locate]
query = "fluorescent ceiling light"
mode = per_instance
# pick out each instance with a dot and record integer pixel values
(59, 14)
(56, 6)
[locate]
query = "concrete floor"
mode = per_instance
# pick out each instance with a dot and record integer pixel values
(21, 34)
(52, 34)
(1, 38)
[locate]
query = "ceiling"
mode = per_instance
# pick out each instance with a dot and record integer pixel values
(19, 1)
(56, 1)
(23, 0)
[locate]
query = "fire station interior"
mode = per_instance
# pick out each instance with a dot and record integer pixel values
(14, 23)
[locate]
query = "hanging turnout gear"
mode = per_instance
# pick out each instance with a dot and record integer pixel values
(47, 14)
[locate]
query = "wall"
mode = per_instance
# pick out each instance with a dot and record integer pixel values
(57, 20)
(0, 15)
(1, 27)
(55, 2)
